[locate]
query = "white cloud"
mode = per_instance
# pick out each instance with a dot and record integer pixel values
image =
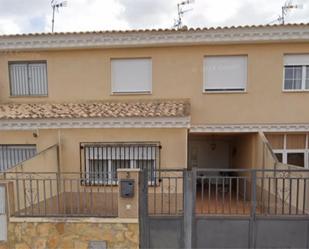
(83, 15)
(8, 26)
(18, 16)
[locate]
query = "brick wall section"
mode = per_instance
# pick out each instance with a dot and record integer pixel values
(28, 235)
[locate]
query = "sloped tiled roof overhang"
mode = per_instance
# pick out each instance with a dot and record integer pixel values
(156, 37)
(95, 114)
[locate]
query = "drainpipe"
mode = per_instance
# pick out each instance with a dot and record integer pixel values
(59, 150)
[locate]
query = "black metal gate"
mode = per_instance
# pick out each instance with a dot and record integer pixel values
(161, 209)
(225, 209)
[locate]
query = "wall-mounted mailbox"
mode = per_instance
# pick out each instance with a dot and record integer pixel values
(127, 188)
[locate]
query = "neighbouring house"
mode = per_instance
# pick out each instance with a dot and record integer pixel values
(194, 138)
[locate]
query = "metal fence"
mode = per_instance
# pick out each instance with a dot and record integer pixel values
(165, 192)
(65, 194)
(241, 192)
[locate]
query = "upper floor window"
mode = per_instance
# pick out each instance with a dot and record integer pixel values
(28, 78)
(225, 73)
(296, 72)
(131, 75)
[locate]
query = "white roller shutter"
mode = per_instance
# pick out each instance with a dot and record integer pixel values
(296, 60)
(131, 75)
(225, 73)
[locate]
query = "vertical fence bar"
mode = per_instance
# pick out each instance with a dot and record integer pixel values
(237, 194)
(25, 196)
(58, 191)
(31, 196)
(276, 194)
(253, 209)
(202, 195)
(169, 195)
(290, 197)
(268, 196)
(297, 195)
(223, 193)
(64, 196)
(304, 196)
(44, 196)
(17, 195)
(245, 194)
(216, 211)
(283, 195)
(230, 193)
(209, 195)
(38, 195)
(176, 195)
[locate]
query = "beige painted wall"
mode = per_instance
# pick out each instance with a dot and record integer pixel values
(177, 73)
(173, 142)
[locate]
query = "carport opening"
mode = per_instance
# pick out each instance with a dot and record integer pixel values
(222, 191)
(221, 151)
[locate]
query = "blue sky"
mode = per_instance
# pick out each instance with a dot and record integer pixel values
(28, 16)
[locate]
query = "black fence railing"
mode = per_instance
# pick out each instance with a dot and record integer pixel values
(243, 192)
(65, 194)
(211, 192)
(166, 193)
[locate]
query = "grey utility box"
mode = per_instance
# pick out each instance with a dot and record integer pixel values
(127, 188)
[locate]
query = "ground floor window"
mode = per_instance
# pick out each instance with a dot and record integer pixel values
(11, 155)
(100, 161)
(291, 148)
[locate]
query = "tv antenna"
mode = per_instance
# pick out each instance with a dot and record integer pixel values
(288, 6)
(178, 22)
(55, 6)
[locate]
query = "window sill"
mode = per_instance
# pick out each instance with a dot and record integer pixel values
(28, 96)
(130, 93)
(224, 92)
(295, 91)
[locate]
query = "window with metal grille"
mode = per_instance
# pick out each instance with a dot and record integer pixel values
(101, 160)
(11, 155)
(28, 78)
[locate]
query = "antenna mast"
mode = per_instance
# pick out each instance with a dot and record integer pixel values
(56, 5)
(286, 8)
(178, 22)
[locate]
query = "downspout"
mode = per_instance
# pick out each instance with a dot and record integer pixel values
(58, 177)
(59, 150)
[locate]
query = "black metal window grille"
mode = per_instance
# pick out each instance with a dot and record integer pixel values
(101, 160)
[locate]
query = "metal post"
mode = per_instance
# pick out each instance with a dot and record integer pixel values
(253, 210)
(143, 209)
(53, 20)
(189, 207)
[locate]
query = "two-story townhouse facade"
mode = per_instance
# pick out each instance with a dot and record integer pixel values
(220, 105)
(195, 84)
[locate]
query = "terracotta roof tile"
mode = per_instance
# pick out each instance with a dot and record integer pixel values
(162, 30)
(108, 109)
